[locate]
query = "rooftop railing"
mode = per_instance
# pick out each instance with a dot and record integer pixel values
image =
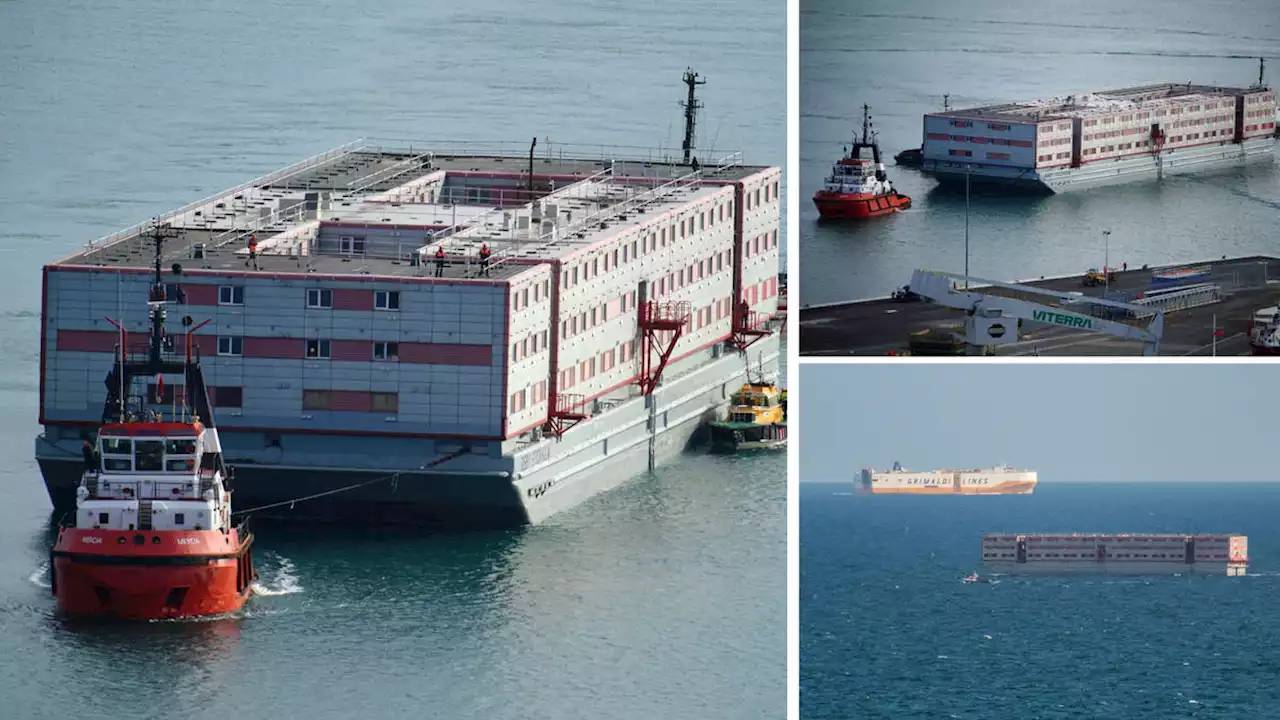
(271, 177)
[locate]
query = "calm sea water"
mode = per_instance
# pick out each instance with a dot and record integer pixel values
(902, 57)
(889, 631)
(665, 598)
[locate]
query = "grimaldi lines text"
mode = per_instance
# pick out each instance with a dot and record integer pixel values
(998, 480)
(472, 335)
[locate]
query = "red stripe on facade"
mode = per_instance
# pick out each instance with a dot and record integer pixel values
(445, 354)
(200, 293)
(350, 400)
(206, 345)
(281, 348)
(229, 276)
(351, 350)
(304, 431)
(348, 299)
(353, 225)
(87, 340)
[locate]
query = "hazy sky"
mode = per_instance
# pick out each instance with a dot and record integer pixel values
(1068, 422)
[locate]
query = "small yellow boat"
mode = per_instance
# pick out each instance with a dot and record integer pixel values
(756, 419)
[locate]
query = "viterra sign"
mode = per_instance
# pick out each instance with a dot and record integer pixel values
(1053, 318)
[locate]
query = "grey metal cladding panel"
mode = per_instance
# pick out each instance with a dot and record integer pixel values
(269, 370)
(384, 324)
(352, 326)
(273, 403)
(96, 362)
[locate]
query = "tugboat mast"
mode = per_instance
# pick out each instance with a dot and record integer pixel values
(159, 233)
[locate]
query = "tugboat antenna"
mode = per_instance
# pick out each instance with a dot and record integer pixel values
(1262, 67)
(159, 233)
(691, 107)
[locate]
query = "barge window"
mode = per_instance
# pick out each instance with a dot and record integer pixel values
(351, 245)
(319, 298)
(315, 399)
(230, 295)
(317, 349)
(117, 446)
(386, 351)
(385, 402)
(149, 455)
(230, 346)
(386, 300)
(228, 397)
(179, 518)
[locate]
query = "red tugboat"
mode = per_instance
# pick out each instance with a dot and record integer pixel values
(858, 186)
(152, 536)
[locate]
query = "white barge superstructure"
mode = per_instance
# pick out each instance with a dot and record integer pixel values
(998, 480)
(1115, 136)
(624, 293)
(1116, 553)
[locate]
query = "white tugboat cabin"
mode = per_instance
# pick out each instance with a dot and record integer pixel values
(155, 475)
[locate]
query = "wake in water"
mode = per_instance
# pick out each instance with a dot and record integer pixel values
(277, 578)
(40, 577)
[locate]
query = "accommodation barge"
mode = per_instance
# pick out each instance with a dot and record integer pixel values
(1103, 138)
(421, 335)
(1120, 553)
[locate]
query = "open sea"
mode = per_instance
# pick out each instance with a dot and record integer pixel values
(663, 599)
(888, 630)
(901, 58)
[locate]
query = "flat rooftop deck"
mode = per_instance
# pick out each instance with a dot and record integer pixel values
(1097, 103)
(594, 191)
(876, 327)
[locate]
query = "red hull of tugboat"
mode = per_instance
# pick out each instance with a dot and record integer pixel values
(110, 574)
(858, 206)
(1262, 351)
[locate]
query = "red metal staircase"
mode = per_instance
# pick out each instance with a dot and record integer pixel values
(566, 411)
(662, 324)
(748, 327)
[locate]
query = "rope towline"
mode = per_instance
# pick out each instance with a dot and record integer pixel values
(392, 477)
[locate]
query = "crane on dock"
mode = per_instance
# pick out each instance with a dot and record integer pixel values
(995, 311)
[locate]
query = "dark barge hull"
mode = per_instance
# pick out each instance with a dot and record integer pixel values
(414, 500)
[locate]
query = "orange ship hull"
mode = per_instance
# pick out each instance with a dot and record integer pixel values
(1013, 488)
(857, 206)
(148, 575)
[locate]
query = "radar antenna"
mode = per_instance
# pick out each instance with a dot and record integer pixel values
(691, 107)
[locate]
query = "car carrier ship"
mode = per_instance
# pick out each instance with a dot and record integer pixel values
(428, 334)
(1123, 553)
(998, 480)
(1108, 137)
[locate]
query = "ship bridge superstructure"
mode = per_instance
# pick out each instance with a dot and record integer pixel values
(154, 476)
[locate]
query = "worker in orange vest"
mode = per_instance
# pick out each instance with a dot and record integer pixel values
(439, 261)
(484, 259)
(253, 251)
